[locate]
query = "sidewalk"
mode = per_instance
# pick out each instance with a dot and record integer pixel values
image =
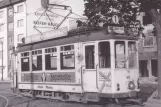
(153, 101)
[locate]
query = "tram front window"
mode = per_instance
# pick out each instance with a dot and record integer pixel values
(120, 59)
(132, 54)
(104, 55)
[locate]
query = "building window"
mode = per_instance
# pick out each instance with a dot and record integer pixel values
(10, 26)
(51, 59)
(19, 37)
(9, 63)
(104, 55)
(20, 23)
(25, 63)
(1, 14)
(120, 61)
(148, 41)
(67, 57)
(10, 39)
(37, 60)
(10, 12)
(10, 53)
(19, 8)
(1, 27)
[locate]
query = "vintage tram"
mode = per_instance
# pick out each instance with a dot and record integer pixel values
(81, 66)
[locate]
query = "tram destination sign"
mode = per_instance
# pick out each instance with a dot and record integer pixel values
(49, 77)
(116, 29)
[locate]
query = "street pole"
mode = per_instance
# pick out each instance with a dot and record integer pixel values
(2, 60)
(159, 63)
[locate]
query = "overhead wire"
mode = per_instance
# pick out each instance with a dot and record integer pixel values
(61, 1)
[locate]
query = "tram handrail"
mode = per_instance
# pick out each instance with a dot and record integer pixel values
(97, 76)
(82, 70)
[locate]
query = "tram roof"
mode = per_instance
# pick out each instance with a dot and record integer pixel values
(92, 36)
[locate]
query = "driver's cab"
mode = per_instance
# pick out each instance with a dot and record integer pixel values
(126, 69)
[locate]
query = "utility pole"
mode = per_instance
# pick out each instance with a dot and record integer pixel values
(159, 62)
(2, 60)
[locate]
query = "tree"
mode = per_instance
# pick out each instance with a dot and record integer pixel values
(99, 13)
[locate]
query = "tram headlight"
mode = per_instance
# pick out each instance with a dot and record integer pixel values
(131, 85)
(138, 83)
(118, 87)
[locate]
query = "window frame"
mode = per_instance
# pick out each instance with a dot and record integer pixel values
(23, 56)
(109, 43)
(148, 38)
(20, 23)
(54, 54)
(136, 56)
(20, 8)
(10, 12)
(1, 14)
(10, 39)
(94, 58)
(18, 37)
(10, 26)
(1, 27)
(37, 54)
(123, 62)
(65, 52)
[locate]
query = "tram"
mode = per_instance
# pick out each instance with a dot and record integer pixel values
(81, 66)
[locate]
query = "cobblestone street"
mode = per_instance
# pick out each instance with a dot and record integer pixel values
(19, 101)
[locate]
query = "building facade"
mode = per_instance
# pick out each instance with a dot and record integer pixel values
(148, 53)
(21, 18)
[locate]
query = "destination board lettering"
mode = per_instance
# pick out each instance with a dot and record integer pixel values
(40, 86)
(48, 87)
(31, 77)
(48, 77)
(62, 77)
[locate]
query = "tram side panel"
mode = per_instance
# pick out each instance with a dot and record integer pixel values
(57, 80)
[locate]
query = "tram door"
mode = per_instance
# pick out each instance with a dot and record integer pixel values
(89, 68)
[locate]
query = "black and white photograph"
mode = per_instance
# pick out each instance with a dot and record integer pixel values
(80, 53)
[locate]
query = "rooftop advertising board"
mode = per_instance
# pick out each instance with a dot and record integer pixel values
(39, 20)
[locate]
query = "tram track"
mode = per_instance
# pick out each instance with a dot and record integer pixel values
(39, 102)
(13, 96)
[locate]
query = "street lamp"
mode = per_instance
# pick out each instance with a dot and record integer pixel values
(1, 42)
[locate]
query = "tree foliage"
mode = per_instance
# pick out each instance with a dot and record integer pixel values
(99, 12)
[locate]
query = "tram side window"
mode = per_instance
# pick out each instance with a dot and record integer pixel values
(37, 60)
(89, 57)
(120, 59)
(67, 57)
(50, 59)
(104, 55)
(25, 63)
(132, 54)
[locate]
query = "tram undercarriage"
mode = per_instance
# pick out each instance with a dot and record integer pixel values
(82, 97)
